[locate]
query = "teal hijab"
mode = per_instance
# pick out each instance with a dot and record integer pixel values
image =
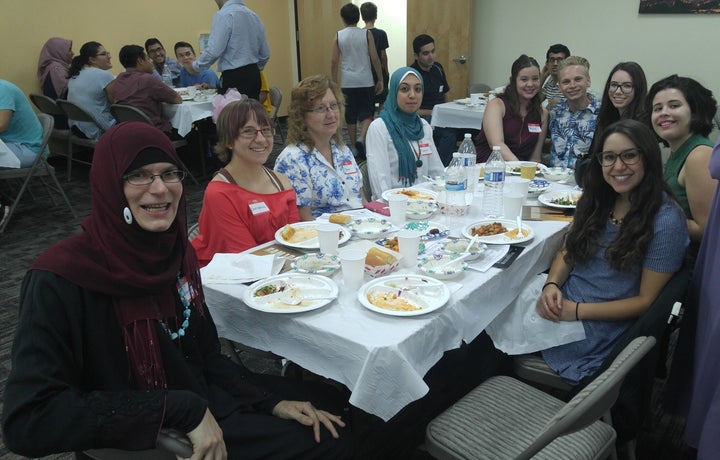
(402, 126)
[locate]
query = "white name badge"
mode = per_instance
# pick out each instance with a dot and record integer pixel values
(348, 168)
(258, 207)
(534, 128)
(425, 150)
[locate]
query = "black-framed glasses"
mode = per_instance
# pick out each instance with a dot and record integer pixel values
(629, 157)
(555, 60)
(146, 178)
(625, 88)
(322, 109)
(251, 133)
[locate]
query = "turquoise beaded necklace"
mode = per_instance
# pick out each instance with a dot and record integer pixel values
(186, 297)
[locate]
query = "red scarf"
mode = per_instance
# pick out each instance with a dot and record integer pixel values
(137, 268)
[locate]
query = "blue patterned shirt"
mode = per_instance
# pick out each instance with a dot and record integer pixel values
(317, 183)
(571, 132)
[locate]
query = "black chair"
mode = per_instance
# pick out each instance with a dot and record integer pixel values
(40, 168)
(77, 113)
(171, 444)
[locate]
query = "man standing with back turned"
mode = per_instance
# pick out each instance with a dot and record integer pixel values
(238, 42)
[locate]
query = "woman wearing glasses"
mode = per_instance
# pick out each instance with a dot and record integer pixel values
(89, 86)
(320, 166)
(114, 340)
(245, 203)
(400, 146)
(682, 112)
(627, 239)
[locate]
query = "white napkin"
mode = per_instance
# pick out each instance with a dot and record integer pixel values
(239, 268)
(519, 329)
(488, 257)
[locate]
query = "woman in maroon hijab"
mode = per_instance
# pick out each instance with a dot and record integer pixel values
(115, 342)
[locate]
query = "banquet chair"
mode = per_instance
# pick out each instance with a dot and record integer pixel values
(47, 105)
(171, 444)
(40, 168)
(74, 112)
(123, 113)
(504, 418)
(367, 188)
(634, 400)
(276, 98)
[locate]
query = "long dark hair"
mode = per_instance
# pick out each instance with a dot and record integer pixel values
(87, 51)
(700, 99)
(598, 199)
(511, 95)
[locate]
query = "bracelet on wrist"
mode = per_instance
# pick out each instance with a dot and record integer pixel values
(577, 307)
(548, 284)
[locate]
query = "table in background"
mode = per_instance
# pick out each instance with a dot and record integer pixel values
(382, 359)
(182, 116)
(457, 115)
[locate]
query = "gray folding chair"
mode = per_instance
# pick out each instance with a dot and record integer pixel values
(122, 112)
(504, 418)
(276, 98)
(77, 113)
(171, 444)
(478, 88)
(367, 188)
(40, 168)
(47, 105)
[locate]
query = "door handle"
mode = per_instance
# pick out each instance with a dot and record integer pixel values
(460, 60)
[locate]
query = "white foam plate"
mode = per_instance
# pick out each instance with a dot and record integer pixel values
(295, 286)
(500, 238)
(548, 198)
(311, 243)
(424, 292)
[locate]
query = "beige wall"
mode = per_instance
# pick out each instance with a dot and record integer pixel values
(605, 32)
(27, 24)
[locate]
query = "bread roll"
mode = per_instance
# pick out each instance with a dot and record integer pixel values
(342, 219)
(287, 232)
(377, 257)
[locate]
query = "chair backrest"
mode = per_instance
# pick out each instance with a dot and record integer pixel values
(75, 112)
(48, 123)
(129, 113)
(478, 88)
(275, 99)
(594, 400)
(367, 189)
(193, 231)
(45, 104)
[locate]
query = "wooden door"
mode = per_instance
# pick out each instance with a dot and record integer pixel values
(317, 23)
(448, 22)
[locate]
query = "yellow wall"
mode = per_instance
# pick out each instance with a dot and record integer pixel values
(27, 24)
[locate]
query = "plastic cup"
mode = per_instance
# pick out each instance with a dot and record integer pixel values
(409, 243)
(475, 98)
(516, 185)
(352, 262)
(328, 236)
(512, 205)
(398, 207)
(528, 169)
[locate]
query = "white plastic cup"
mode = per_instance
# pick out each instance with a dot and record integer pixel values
(409, 244)
(512, 205)
(398, 207)
(516, 185)
(352, 262)
(475, 98)
(328, 237)
(192, 91)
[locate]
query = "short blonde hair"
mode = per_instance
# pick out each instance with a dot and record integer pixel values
(575, 60)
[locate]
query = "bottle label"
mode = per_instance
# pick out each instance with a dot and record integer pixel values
(495, 176)
(455, 187)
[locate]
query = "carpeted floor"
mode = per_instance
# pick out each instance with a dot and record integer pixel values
(37, 224)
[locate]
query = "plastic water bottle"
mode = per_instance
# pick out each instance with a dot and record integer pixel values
(455, 186)
(467, 152)
(167, 76)
(494, 181)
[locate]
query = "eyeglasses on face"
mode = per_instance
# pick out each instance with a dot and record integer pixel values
(625, 88)
(555, 60)
(145, 178)
(251, 133)
(629, 157)
(322, 109)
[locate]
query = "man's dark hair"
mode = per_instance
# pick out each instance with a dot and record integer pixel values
(150, 42)
(129, 55)
(420, 41)
(557, 48)
(350, 14)
(183, 45)
(368, 10)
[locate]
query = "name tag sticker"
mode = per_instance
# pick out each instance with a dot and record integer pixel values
(258, 207)
(425, 149)
(534, 128)
(348, 168)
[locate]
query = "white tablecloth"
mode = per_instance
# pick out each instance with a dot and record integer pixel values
(182, 116)
(456, 115)
(382, 359)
